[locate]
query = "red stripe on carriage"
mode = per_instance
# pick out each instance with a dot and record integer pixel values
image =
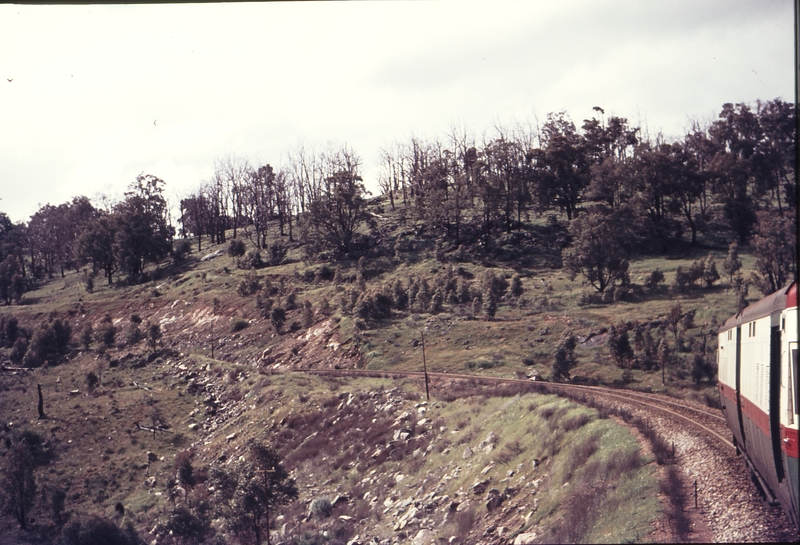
(789, 441)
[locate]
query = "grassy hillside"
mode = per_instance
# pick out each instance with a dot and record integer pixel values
(473, 464)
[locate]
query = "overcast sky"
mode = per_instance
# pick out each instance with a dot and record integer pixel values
(99, 94)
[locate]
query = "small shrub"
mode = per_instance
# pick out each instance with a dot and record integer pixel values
(88, 282)
(181, 249)
(133, 334)
(250, 285)
(321, 507)
(106, 333)
(91, 381)
(236, 248)
(237, 324)
(252, 260)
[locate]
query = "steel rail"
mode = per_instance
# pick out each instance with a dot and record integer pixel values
(576, 387)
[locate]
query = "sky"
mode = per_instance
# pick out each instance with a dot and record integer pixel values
(93, 95)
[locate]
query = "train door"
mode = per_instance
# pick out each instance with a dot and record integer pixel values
(775, 399)
(739, 384)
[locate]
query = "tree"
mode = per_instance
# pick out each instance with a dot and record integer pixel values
(710, 273)
(562, 165)
(18, 482)
(12, 281)
(277, 318)
(153, 335)
(732, 262)
(144, 234)
(248, 494)
(564, 356)
(97, 245)
(337, 212)
(598, 251)
(775, 248)
(619, 345)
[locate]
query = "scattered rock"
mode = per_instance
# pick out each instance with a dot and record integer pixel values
(480, 487)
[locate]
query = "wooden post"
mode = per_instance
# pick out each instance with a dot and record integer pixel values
(425, 366)
(695, 494)
(212, 340)
(266, 510)
(41, 403)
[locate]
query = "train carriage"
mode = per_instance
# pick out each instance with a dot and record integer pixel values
(757, 359)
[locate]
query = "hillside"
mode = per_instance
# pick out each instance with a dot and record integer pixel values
(372, 460)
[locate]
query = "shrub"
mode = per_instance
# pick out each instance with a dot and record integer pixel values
(49, 343)
(654, 280)
(324, 273)
(276, 253)
(308, 314)
(321, 507)
(88, 282)
(153, 335)
(133, 334)
(91, 381)
(252, 260)
(95, 530)
(106, 333)
(237, 324)
(516, 286)
(19, 350)
(180, 249)
(250, 285)
(236, 248)
(564, 356)
(277, 318)
(263, 305)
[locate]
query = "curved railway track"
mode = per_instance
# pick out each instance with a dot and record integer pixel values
(710, 423)
(731, 509)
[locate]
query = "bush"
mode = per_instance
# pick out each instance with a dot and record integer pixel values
(321, 507)
(106, 333)
(95, 530)
(236, 248)
(237, 324)
(180, 249)
(653, 282)
(277, 318)
(91, 381)
(252, 260)
(250, 285)
(276, 253)
(324, 273)
(133, 334)
(49, 343)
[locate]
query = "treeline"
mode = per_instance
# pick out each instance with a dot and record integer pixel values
(621, 191)
(123, 238)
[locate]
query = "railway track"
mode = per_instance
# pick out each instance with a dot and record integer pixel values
(711, 423)
(730, 506)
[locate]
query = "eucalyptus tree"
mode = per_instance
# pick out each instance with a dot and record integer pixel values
(562, 164)
(337, 212)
